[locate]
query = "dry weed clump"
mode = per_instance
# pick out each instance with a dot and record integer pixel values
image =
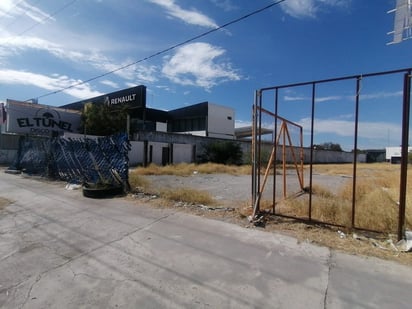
(3, 202)
(326, 207)
(377, 211)
(376, 202)
(187, 169)
(138, 182)
(332, 210)
(185, 195)
(376, 196)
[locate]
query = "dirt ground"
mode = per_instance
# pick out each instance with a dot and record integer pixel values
(233, 195)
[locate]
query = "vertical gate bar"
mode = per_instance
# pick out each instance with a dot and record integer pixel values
(301, 157)
(259, 153)
(404, 151)
(283, 128)
(355, 149)
(254, 149)
(276, 150)
(311, 149)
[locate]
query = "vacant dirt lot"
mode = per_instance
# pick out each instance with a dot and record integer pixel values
(235, 190)
(231, 191)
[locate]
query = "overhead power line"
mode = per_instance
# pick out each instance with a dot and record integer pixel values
(47, 17)
(166, 49)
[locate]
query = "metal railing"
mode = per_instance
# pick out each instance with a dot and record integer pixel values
(258, 109)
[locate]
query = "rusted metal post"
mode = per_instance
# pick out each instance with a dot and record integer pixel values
(355, 149)
(311, 150)
(275, 145)
(253, 154)
(404, 151)
(257, 123)
(283, 128)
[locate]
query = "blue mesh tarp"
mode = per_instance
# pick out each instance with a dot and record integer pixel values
(81, 160)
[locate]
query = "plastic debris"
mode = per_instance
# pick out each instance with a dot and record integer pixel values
(405, 245)
(341, 234)
(73, 186)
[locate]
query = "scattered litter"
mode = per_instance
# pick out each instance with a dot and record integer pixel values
(73, 186)
(195, 172)
(142, 195)
(257, 220)
(406, 244)
(359, 237)
(392, 245)
(341, 234)
(203, 207)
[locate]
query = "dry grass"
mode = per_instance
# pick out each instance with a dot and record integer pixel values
(3, 202)
(190, 196)
(187, 169)
(139, 183)
(362, 169)
(377, 193)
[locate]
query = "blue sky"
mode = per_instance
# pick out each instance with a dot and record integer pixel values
(48, 45)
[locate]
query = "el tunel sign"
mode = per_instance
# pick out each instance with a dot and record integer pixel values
(36, 119)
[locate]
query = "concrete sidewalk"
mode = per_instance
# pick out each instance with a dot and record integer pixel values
(61, 250)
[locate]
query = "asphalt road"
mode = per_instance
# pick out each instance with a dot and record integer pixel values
(61, 250)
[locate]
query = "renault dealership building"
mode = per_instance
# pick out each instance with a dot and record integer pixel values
(157, 136)
(202, 119)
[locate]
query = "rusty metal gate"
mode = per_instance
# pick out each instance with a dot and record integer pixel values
(356, 97)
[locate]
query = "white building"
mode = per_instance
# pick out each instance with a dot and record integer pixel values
(394, 154)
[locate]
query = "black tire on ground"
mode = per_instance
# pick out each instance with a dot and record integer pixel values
(102, 192)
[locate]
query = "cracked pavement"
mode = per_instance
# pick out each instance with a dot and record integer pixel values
(61, 250)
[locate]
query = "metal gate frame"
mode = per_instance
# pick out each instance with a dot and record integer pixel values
(256, 141)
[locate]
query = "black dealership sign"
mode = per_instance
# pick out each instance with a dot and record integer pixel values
(134, 97)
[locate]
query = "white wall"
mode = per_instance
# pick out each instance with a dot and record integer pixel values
(221, 122)
(182, 153)
(136, 153)
(156, 152)
(394, 152)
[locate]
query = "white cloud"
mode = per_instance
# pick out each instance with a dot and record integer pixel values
(109, 83)
(16, 45)
(226, 5)
(33, 12)
(49, 83)
(317, 99)
(5, 7)
(309, 8)
(366, 96)
(146, 73)
(242, 123)
(188, 16)
(366, 129)
(9, 8)
(195, 64)
(380, 95)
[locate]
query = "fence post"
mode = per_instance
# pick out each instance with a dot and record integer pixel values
(404, 151)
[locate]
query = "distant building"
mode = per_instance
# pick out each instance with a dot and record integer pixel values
(202, 119)
(375, 155)
(394, 154)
